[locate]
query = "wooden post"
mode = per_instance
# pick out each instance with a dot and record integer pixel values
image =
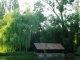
(44, 53)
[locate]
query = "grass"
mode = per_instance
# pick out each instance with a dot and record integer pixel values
(26, 54)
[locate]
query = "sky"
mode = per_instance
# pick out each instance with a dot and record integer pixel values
(23, 3)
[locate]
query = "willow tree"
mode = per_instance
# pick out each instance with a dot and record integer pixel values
(5, 31)
(16, 33)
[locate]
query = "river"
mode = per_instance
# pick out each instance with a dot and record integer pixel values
(26, 58)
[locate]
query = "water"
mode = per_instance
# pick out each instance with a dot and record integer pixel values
(26, 58)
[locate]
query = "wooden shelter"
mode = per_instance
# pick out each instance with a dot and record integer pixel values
(49, 46)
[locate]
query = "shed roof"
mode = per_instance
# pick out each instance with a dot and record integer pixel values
(49, 46)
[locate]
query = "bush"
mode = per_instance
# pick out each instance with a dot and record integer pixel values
(78, 51)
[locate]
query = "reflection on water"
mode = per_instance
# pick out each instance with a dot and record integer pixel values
(57, 59)
(25, 58)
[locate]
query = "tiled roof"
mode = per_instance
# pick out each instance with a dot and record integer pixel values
(49, 46)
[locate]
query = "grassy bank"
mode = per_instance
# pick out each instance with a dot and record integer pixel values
(27, 54)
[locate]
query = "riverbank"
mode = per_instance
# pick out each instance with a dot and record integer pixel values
(34, 54)
(25, 54)
(41, 55)
(62, 55)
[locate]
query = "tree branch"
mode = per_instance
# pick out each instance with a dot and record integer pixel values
(52, 8)
(56, 13)
(57, 1)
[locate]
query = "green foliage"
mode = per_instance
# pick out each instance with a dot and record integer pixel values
(51, 35)
(64, 27)
(78, 51)
(38, 6)
(15, 31)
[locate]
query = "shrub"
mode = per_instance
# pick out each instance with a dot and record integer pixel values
(78, 51)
